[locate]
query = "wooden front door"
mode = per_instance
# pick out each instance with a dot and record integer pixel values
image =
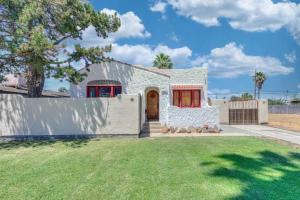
(152, 105)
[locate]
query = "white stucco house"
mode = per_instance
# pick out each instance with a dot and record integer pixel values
(176, 97)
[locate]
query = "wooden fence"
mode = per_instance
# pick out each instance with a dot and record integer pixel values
(243, 112)
(285, 109)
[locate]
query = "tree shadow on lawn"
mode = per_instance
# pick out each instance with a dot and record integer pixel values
(10, 145)
(271, 176)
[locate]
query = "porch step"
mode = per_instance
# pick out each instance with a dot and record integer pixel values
(150, 127)
(152, 123)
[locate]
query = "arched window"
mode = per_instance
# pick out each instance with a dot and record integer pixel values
(103, 88)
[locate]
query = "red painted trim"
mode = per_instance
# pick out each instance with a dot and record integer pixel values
(112, 89)
(97, 91)
(192, 98)
(88, 89)
(187, 87)
(103, 85)
(97, 88)
(200, 96)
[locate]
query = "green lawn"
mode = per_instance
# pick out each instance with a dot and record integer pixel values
(167, 168)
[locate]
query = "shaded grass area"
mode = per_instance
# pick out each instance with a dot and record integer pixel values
(162, 168)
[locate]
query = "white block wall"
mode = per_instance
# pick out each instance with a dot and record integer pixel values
(21, 116)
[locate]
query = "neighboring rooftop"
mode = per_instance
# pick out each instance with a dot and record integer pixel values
(295, 101)
(23, 92)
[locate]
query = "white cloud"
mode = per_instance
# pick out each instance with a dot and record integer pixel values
(291, 57)
(227, 62)
(131, 27)
(231, 61)
(159, 6)
(247, 15)
(144, 54)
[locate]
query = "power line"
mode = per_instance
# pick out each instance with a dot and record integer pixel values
(263, 92)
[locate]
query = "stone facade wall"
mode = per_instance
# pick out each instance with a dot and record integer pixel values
(134, 81)
(138, 80)
(191, 76)
(21, 116)
(193, 117)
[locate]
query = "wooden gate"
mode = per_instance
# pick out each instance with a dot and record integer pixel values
(243, 112)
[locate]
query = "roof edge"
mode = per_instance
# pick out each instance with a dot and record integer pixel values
(137, 67)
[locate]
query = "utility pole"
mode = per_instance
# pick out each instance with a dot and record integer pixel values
(254, 79)
(287, 102)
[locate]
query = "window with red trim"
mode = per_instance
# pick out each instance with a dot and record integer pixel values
(187, 98)
(104, 91)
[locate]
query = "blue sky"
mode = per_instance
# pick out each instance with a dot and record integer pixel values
(231, 38)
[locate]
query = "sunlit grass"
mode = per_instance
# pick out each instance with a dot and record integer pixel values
(166, 168)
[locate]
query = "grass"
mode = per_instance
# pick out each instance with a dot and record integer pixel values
(165, 168)
(285, 121)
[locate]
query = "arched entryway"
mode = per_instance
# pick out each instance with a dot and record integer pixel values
(152, 109)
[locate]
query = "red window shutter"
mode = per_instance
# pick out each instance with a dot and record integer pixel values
(176, 98)
(186, 98)
(196, 98)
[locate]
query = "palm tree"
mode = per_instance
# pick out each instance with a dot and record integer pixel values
(260, 78)
(163, 61)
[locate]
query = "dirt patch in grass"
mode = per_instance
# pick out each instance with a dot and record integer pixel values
(285, 121)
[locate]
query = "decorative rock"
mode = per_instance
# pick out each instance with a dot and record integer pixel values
(177, 130)
(182, 130)
(204, 130)
(172, 129)
(194, 130)
(211, 130)
(217, 130)
(164, 129)
(199, 130)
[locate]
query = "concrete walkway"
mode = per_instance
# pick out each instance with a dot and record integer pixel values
(266, 131)
(244, 130)
(228, 130)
